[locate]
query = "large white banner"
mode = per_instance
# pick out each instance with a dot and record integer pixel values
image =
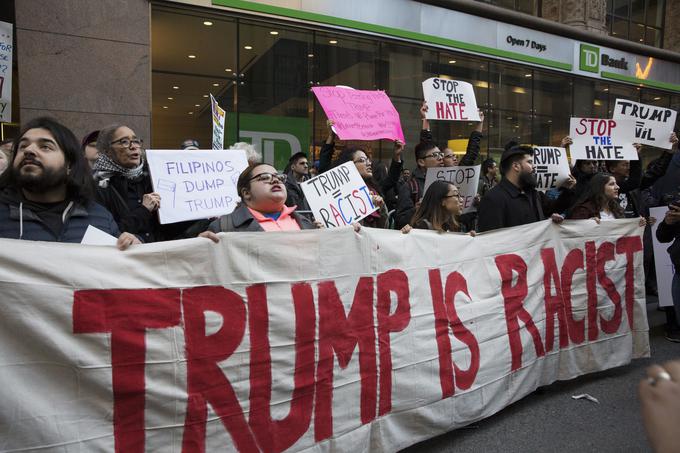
(602, 139)
(319, 340)
(339, 196)
(653, 125)
(452, 100)
(196, 184)
(6, 49)
(466, 178)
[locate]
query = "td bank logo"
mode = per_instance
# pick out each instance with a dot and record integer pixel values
(590, 58)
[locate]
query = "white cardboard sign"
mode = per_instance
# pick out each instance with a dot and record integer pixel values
(218, 119)
(466, 178)
(6, 49)
(339, 196)
(195, 185)
(653, 125)
(450, 100)
(551, 167)
(602, 139)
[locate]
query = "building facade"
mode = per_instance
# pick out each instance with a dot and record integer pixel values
(153, 65)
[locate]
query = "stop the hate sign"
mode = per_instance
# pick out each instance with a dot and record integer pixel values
(602, 139)
(451, 100)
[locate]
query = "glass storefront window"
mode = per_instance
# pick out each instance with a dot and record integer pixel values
(185, 72)
(265, 87)
(551, 93)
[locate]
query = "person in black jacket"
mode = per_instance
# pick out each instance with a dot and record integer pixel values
(262, 207)
(669, 230)
(48, 194)
(123, 183)
(428, 155)
(515, 200)
(297, 171)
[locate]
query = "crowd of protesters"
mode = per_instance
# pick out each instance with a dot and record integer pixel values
(53, 186)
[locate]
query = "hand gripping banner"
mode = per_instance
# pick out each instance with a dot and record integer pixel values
(323, 341)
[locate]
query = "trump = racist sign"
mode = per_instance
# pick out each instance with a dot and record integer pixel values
(451, 100)
(653, 125)
(197, 184)
(551, 167)
(339, 196)
(360, 114)
(602, 139)
(465, 178)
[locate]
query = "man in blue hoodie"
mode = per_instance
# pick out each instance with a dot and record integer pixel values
(47, 193)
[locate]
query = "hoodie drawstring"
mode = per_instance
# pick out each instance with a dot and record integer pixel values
(21, 220)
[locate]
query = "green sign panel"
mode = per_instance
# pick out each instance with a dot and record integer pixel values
(277, 137)
(589, 58)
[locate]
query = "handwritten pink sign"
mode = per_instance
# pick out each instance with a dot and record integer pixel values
(360, 114)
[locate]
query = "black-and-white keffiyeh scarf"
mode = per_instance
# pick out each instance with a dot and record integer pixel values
(104, 168)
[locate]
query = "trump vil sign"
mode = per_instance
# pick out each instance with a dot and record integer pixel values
(310, 340)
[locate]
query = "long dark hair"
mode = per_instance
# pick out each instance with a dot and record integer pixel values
(431, 208)
(347, 155)
(595, 194)
(79, 182)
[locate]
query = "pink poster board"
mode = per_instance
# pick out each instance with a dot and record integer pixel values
(360, 114)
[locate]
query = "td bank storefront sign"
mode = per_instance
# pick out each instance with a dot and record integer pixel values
(607, 63)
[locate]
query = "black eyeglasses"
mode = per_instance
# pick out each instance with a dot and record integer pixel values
(457, 195)
(127, 143)
(436, 155)
(362, 160)
(269, 177)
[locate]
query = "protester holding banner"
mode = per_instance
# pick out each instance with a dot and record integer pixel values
(600, 201)
(47, 194)
(296, 172)
(515, 200)
(263, 194)
(123, 183)
(438, 210)
(660, 405)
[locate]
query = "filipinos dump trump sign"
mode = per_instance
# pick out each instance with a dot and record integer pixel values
(195, 184)
(602, 139)
(326, 340)
(653, 125)
(339, 196)
(451, 100)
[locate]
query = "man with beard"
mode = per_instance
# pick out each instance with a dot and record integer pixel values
(515, 200)
(47, 194)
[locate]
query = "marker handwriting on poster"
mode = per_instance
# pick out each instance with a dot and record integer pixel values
(653, 125)
(451, 100)
(197, 184)
(339, 196)
(360, 114)
(602, 139)
(465, 178)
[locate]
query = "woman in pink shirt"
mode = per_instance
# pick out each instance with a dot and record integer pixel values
(262, 207)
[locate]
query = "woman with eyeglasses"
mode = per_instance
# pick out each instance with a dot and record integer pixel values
(262, 208)
(377, 219)
(123, 183)
(439, 210)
